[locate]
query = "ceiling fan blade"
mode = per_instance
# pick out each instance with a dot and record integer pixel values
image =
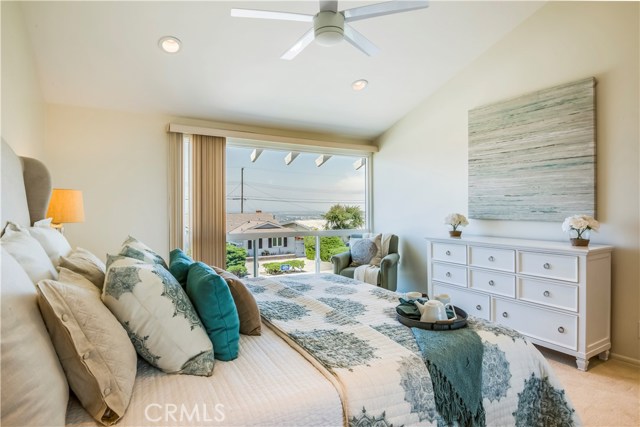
(267, 14)
(359, 41)
(380, 9)
(299, 46)
(328, 6)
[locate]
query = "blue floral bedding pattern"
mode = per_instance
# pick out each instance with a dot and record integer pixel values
(350, 329)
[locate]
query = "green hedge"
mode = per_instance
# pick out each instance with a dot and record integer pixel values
(275, 267)
(238, 270)
(329, 246)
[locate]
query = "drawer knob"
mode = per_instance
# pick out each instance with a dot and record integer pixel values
(478, 307)
(492, 283)
(546, 293)
(448, 253)
(561, 330)
(491, 258)
(505, 314)
(448, 274)
(546, 266)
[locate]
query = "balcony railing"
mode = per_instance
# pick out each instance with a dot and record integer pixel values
(255, 236)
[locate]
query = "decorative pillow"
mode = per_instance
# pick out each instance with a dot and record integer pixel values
(134, 248)
(53, 242)
(248, 310)
(94, 349)
(212, 298)
(121, 260)
(364, 251)
(34, 388)
(29, 254)
(159, 318)
(85, 263)
(179, 264)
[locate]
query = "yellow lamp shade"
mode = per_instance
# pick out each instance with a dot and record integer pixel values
(66, 206)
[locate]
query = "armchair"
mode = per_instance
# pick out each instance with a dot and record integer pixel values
(388, 277)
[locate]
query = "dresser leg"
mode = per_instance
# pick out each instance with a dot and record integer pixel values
(583, 364)
(604, 355)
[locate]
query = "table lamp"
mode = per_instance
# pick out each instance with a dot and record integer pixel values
(65, 206)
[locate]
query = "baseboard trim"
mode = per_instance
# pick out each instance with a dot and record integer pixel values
(630, 360)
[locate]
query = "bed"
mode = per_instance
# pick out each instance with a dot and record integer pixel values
(331, 353)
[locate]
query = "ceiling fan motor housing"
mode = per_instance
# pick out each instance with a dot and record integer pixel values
(328, 28)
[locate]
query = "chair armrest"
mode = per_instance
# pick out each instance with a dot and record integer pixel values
(340, 261)
(389, 261)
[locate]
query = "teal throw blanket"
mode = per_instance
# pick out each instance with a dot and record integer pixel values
(454, 360)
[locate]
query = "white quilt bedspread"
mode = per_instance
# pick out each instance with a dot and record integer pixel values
(270, 384)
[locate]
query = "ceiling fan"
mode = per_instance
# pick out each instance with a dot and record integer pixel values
(330, 26)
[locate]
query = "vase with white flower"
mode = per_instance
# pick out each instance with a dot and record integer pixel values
(455, 220)
(579, 228)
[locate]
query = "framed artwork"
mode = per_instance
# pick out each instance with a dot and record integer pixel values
(533, 158)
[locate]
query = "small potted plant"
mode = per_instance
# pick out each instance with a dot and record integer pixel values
(456, 220)
(579, 228)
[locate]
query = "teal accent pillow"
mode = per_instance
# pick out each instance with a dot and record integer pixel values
(212, 299)
(179, 264)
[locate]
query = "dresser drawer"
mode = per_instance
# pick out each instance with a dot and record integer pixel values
(496, 283)
(561, 267)
(450, 273)
(474, 304)
(548, 293)
(495, 259)
(546, 325)
(450, 252)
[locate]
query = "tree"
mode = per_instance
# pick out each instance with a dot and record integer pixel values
(341, 217)
(329, 246)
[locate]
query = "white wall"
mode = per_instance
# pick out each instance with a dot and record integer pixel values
(23, 108)
(420, 173)
(119, 161)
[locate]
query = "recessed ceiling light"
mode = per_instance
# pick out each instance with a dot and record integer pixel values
(169, 44)
(358, 85)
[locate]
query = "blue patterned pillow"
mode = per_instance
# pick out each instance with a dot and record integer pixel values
(362, 252)
(213, 301)
(158, 317)
(134, 248)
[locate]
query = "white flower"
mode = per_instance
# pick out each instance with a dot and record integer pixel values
(456, 220)
(580, 223)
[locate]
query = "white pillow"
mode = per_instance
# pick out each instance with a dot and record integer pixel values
(134, 248)
(34, 387)
(94, 349)
(158, 316)
(29, 253)
(53, 242)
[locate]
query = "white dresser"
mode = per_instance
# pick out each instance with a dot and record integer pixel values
(557, 295)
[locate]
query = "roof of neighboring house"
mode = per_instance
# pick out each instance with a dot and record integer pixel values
(234, 220)
(253, 226)
(306, 224)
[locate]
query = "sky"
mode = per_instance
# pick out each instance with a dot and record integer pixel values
(299, 189)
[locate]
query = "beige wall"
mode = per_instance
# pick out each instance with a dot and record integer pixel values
(427, 150)
(23, 108)
(119, 161)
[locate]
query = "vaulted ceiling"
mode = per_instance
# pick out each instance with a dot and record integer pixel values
(106, 55)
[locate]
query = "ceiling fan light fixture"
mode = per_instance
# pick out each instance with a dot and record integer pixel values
(328, 28)
(169, 44)
(360, 84)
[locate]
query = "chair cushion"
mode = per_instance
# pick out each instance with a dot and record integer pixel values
(348, 272)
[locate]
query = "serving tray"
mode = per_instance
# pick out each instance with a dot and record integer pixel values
(439, 325)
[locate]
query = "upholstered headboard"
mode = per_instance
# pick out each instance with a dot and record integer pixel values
(26, 188)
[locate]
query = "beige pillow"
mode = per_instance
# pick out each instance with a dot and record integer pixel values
(34, 388)
(248, 310)
(29, 253)
(94, 349)
(85, 263)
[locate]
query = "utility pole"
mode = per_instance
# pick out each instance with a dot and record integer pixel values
(241, 190)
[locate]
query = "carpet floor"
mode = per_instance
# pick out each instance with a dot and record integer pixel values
(608, 394)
